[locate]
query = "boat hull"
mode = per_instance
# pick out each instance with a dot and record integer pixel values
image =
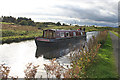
(54, 44)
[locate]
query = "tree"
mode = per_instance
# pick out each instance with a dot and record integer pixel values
(58, 24)
(9, 19)
(19, 19)
(93, 26)
(64, 24)
(30, 23)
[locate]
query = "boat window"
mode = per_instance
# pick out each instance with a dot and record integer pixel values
(53, 34)
(45, 34)
(67, 34)
(62, 34)
(74, 33)
(49, 34)
(81, 33)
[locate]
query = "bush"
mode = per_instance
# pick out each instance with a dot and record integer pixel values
(23, 22)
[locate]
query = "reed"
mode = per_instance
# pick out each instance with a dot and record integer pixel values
(84, 58)
(4, 71)
(81, 59)
(54, 68)
(30, 71)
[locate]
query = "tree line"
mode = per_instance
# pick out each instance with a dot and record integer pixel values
(28, 21)
(19, 20)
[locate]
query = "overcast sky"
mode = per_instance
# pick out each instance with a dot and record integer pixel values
(82, 12)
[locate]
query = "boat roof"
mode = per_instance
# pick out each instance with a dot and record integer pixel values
(60, 30)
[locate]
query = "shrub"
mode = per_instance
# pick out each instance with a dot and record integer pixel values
(4, 71)
(81, 59)
(31, 71)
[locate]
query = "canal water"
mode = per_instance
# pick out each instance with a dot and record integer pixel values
(18, 55)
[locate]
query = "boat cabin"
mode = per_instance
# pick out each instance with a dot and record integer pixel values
(52, 34)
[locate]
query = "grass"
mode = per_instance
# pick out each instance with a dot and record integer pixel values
(116, 33)
(105, 65)
(11, 39)
(17, 33)
(5, 23)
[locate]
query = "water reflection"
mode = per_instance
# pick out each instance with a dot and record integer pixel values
(51, 54)
(56, 53)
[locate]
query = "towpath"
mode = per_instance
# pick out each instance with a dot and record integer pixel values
(116, 49)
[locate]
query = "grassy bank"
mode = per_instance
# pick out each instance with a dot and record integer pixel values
(105, 65)
(116, 33)
(11, 39)
(16, 33)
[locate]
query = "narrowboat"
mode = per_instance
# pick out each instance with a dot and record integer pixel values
(59, 52)
(54, 39)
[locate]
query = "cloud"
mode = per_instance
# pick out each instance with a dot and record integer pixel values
(83, 12)
(96, 12)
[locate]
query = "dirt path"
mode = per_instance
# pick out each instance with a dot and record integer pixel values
(116, 48)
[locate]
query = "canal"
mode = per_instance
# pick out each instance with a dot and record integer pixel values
(18, 55)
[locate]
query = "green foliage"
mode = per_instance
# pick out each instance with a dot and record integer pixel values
(40, 25)
(23, 22)
(65, 24)
(8, 19)
(19, 38)
(116, 33)
(92, 62)
(15, 33)
(105, 65)
(58, 24)
(82, 59)
(19, 20)
(6, 33)
(30, 23)
(6, 23)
